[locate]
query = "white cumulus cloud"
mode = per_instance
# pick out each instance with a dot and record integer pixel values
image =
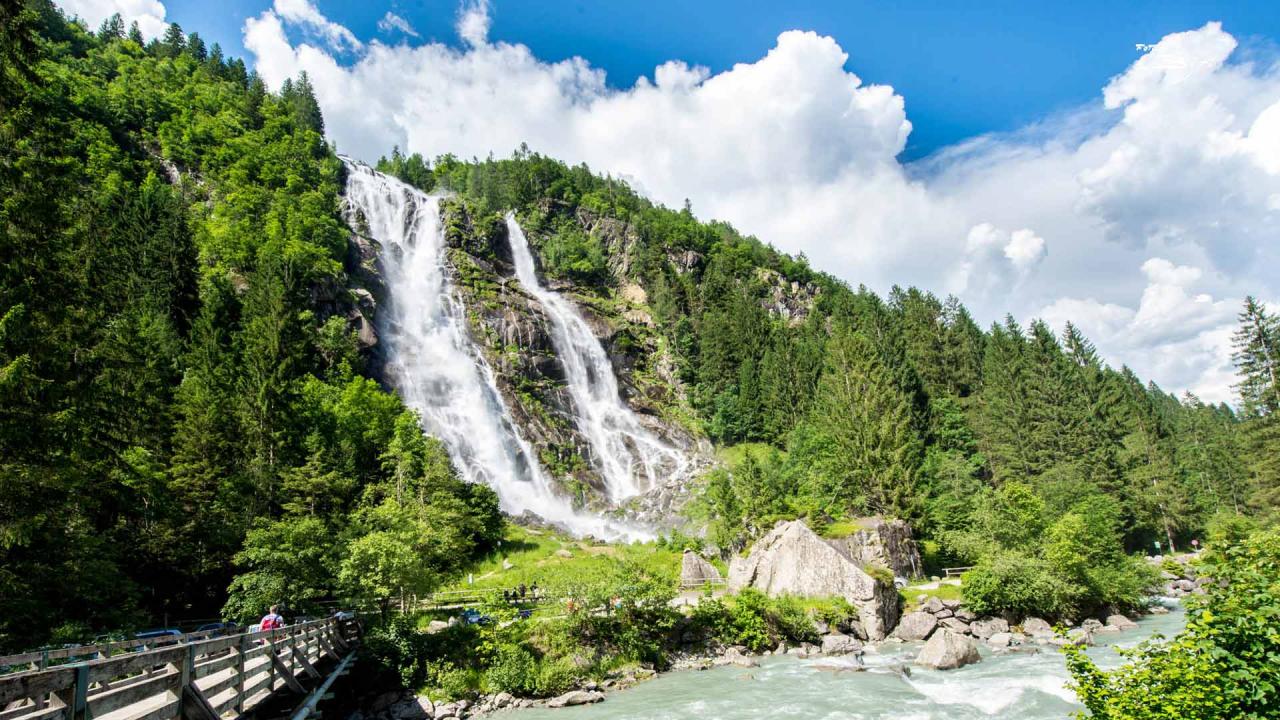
(1105, 211)
(149, 14)
(306, 14)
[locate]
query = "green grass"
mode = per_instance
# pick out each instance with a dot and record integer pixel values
(913, 595)
(733, 455)
(845, 528)
(559, 563)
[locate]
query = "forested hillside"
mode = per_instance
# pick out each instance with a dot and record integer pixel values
(1005, 447)
(190, 426)
(181, 400)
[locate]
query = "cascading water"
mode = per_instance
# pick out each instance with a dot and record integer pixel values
(630, 458)
(432, 362)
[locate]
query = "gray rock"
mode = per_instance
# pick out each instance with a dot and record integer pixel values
(821, 627)
(695, 571)
(733, 656)
(955, 625)
(953, 605)
(916, 626)
(1120, 622)
(1036, 627)
(947, 650)
(934, 605)
(1000, 640)
(986, 627)
(1080, 636)
(1106, 629)
(966, 615)
(576, 697)
(944, 613)
(886, 543)
(1158, 610)
(839, 644)
(503, 699)
(792, 559)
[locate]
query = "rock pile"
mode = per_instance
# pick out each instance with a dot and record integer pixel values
(933, 616)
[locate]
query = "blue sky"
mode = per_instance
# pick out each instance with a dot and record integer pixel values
(965, 68)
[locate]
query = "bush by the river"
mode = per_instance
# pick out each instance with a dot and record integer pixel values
(1224, 665)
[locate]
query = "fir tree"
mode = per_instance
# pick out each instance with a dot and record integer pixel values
(112, 28)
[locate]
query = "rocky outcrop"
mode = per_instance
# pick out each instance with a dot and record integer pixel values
(576, 697)
(888, 543)
(948, 650)
(988, 627)
(695, 571)
(792, 559)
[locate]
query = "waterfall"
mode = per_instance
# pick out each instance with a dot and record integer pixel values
(630, 458)
(432, 362)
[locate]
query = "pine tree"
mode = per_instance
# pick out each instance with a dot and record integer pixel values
(135, 34)
(112, 28)
(196, 48)
(306, 109)
(174, 42)
(1257, 357)
(1003, 413)
(872, 451)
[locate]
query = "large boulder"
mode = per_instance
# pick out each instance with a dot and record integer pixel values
(948, 650)
(792, 559)
(1036, 627)
(916, 626)
(986, 627)
(1121, 622)
(840, 644)
(888, 543)
(695, 571)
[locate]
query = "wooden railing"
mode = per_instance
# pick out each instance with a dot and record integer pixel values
(209, 679)
(949, 572)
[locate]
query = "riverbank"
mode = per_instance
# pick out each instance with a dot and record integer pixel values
(1025, 678)
(1029, 684)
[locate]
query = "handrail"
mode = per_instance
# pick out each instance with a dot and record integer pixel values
(208, 679)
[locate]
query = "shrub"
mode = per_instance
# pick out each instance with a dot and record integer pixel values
(1224, 665)
(1015, 585)
(515, 671)
(555, 677)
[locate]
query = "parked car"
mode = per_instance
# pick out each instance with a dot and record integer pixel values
(158, 635)
(344, 615)
(218, 629)
(471, 616)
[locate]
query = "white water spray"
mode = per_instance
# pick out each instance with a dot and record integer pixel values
(631, 459)
(433, 364)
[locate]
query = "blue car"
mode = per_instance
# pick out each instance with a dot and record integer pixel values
(475, 617)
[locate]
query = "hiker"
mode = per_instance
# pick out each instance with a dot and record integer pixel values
(522, 590)
(533, 591)
(272, 620)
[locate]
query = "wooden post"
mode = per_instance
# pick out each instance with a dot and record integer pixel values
(80, 698)
(244, 641)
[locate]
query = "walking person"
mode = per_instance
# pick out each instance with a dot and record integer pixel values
(272, 620)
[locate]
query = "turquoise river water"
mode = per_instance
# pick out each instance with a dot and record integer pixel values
(1015, 686)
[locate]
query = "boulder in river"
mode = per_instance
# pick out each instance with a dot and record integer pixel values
(1120, 622)
(948, 650)
(986, 627)
(916, 626)
(792, 559)
(1036, 627)
(840, 644)
(576, 697)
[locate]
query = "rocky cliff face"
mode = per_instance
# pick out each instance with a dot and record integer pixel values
(792, 559)
(888, 543)
(514, 332)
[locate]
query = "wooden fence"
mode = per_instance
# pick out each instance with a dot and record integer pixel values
(210, 679)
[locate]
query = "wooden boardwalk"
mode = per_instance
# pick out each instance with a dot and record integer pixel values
(204, 679)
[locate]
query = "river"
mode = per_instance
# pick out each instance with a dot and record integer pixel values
(1015, 686)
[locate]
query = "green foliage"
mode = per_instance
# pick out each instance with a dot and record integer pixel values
(1224, 664)
(759, 622)
(179, 397)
